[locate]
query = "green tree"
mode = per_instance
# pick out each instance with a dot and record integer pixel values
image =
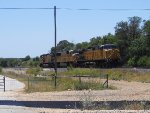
(108, 39)
(27, 58)
(36, 58)
(128, 33)
(134, 28)
(144, 61)
(4, 63)
(146, 33)
(63, 45)
(83, 45)
(138, 48)
(121, 33)
(13, 62)
(95, 41)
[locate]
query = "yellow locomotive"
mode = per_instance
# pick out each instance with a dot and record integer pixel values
(101, 56)
(45, 60)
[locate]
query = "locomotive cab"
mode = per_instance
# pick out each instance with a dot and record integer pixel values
(45, 60)
(110, 53)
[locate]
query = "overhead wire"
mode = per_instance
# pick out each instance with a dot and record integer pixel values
(81, 9)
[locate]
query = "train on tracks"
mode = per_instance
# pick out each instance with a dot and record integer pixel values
(107, 55)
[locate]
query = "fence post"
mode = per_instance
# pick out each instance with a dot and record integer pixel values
(79, 79)
(107, 80)
(55, 79)
(4, 83)
(28, 82)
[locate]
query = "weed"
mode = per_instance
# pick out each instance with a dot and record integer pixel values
(87, 100)
(81, 71)
(0, 70)
(33, 71)
(134, 106)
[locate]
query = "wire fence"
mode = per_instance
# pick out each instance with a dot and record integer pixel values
(46, 83)
(2, 83)
(77, 82)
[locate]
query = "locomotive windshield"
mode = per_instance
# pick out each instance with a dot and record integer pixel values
(108, 46)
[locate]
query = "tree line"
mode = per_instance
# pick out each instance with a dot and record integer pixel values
(19, 62)
(132, 37)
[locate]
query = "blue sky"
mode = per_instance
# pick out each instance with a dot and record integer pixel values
(31, 32)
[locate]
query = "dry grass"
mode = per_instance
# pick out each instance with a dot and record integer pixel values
(42, 84)
(45, 84)
(134, 106)
(128, 75)
(114, 74)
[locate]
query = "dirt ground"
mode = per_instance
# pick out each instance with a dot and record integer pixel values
(125, 91)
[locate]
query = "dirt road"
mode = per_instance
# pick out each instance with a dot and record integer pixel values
(8, 98)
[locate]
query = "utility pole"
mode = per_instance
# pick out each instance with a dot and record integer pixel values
(55, 45)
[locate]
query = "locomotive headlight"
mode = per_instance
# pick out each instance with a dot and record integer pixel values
(107, 49)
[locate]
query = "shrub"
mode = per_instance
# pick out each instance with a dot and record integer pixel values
(81, 86)
(33, 71)
(144, 61)
(132, 61)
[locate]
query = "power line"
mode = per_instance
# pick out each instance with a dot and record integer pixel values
(110, 9)
(81, 9)
(23, 8)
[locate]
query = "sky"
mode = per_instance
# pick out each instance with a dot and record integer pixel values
(31, 31)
